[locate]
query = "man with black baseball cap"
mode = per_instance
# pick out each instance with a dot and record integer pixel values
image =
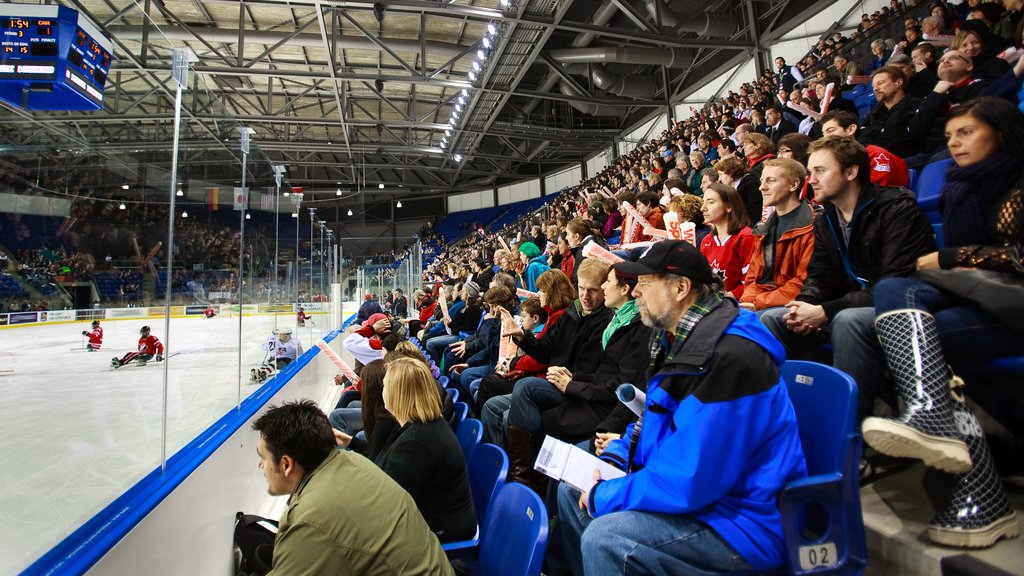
(716, 442)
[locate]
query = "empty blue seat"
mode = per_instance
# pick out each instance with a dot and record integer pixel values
(821, 514)
(929, 191)
(488, 469)
(461, 411)
(515, 534)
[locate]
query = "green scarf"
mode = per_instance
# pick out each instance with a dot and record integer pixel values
(624, 315)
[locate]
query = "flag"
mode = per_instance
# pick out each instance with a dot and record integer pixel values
(212, 197)
(267, 199)
(240, 202)
(296, 198)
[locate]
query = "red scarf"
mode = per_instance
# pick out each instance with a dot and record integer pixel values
(751, 162)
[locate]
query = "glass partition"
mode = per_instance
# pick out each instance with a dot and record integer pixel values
(89, 204)
(381, 279)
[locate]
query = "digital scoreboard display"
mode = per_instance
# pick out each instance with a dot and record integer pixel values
(52, 58)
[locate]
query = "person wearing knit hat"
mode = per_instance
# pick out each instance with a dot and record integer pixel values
(472, 289)
(535, 263)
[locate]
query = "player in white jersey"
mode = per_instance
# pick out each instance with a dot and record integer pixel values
(282, 347)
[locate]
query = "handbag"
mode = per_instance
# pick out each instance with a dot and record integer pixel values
(1000, 294)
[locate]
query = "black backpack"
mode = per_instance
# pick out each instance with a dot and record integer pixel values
(254, 542)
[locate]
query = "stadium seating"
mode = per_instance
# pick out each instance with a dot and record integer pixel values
(929, 191)
(515, 534)
(469, 433)
(487, 472)
(821, 514)
(461, 411)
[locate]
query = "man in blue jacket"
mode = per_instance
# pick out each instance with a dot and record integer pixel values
(716, 442)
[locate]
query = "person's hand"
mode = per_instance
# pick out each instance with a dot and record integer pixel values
(84, 333)
(747, 306)
(340, 438)
(803, 318)
(159, 357)
(458, 368)
(458, 348)
(928, 261)
(508, 323)
(382, 326)
(943, 86)
(585, 495)
(602, 439)
(559, 376)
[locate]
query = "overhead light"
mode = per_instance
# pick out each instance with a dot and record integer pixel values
(380, 186)
(399, 205)
(295, 215)
(472, 75)
(481, 54)
(492, 28)
(451, 121)
(184, 214)
(337, 192)
(465, 92)
(378, 11)
(179, 193)
(505, 3)
(124, 186)
(448, 132)
(286, 194)
(122, 206)
(349, 211)
(444, 143)
(458, 157)
(487, 41)
(247, 216)
(476, 66)
(462, 100)
(329, 143)
(458, 107)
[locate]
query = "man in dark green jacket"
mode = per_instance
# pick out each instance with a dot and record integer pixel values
(345, 515)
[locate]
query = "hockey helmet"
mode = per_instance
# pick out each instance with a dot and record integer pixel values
(95, 323)
(284, 332)
(144, 331)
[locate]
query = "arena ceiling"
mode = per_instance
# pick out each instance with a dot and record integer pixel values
(353, 95)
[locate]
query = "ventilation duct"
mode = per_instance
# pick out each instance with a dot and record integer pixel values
(702, 24)
(587, 107)
(671, 58)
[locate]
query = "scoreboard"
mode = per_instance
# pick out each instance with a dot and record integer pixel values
(52, 58)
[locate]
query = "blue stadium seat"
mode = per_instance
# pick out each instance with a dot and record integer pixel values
(469, 433)
(913, 179)
(929, 191)
(444, 381)
(461, 411)
(488, 469)
(515, 534)
(821, 514)
(453, 393)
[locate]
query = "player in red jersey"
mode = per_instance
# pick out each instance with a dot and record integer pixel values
(95, 337)
(209, 312)
(149, 346)
(301, 317)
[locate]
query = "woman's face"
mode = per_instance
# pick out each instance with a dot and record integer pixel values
(563, 247)
(970, 140)
(971, 45)
(542, 296)
(713, 208)
(615, 295)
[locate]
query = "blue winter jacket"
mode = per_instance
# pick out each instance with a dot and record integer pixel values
(719, 438)
(537, 266)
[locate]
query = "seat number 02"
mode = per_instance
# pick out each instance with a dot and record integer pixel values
(817, 556)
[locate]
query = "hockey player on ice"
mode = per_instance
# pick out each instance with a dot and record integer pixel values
(209, 312)
(149, 347)
(283, 349)
(95, 337)
(301, 317)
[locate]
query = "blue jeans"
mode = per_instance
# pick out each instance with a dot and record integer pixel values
(968, 334)
(638, 542)
(495, 419)
(436, 346)
(530, 398)
(855, 348)
(348, 420)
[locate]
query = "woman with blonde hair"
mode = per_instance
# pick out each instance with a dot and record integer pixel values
(423, 455)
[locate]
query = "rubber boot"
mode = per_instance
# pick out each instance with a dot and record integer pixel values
(926, 429)
(979, 513)
(520, 445)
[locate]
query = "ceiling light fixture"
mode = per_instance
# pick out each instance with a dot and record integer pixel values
(247, 216)
(337, 192)
(122, 206)
(447, 131)
(349, 211)
(179, 193)
(399, 205)
(481, 54)
(458, 157)
(472, 75)
(124, 186)
(487, 41)
(492, 28)
(380, 186)
(184, 214)
(476, 66)
(465, 92)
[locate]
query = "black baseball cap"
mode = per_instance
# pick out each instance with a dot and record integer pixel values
(670, 257)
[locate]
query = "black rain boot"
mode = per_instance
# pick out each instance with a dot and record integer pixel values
(978, 514)
(520, 445)
(926, 429)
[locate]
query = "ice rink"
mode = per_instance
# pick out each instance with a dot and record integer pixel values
(76, 433)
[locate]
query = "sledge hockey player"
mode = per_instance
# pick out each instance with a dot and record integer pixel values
(283, 348)
(209, 312)
(95, 337)
(149, 346)
(301, 317)
(264, 371)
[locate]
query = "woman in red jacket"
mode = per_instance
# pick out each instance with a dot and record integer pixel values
(729, 246)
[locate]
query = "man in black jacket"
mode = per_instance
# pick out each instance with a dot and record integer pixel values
(865, 234)
(887, 125)
(574, 342)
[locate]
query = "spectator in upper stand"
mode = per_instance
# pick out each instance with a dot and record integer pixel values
(879, 56)
(925, 70)
(614, 220)
(734, 172)
(317, 535)
(777, 127)
(844, 68)
(784, 77)
(498, 255)
(887, 169)
(477, 356)
(866, 233)
(537, 237)
(704, 146)
(697, 162)
(973, 42)
(784, 242)
(687, 208)
(794, 146)
(399, 304)
(568, 261)
(987, 13)
(730, 244)
(718, 440)
(911, 38)
(424, 456)
(574, 345)
(369, 307)
(931, 27)
(756, 149)
(483, 274)
(1007, 26)
(726, 148)
(956, 86)
(888, 123)
(579, 233)
(649, 204)
(534, 262)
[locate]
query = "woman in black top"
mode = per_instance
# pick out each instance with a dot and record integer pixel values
(423, 455)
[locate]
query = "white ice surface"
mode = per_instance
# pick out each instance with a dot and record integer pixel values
(75, 433)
